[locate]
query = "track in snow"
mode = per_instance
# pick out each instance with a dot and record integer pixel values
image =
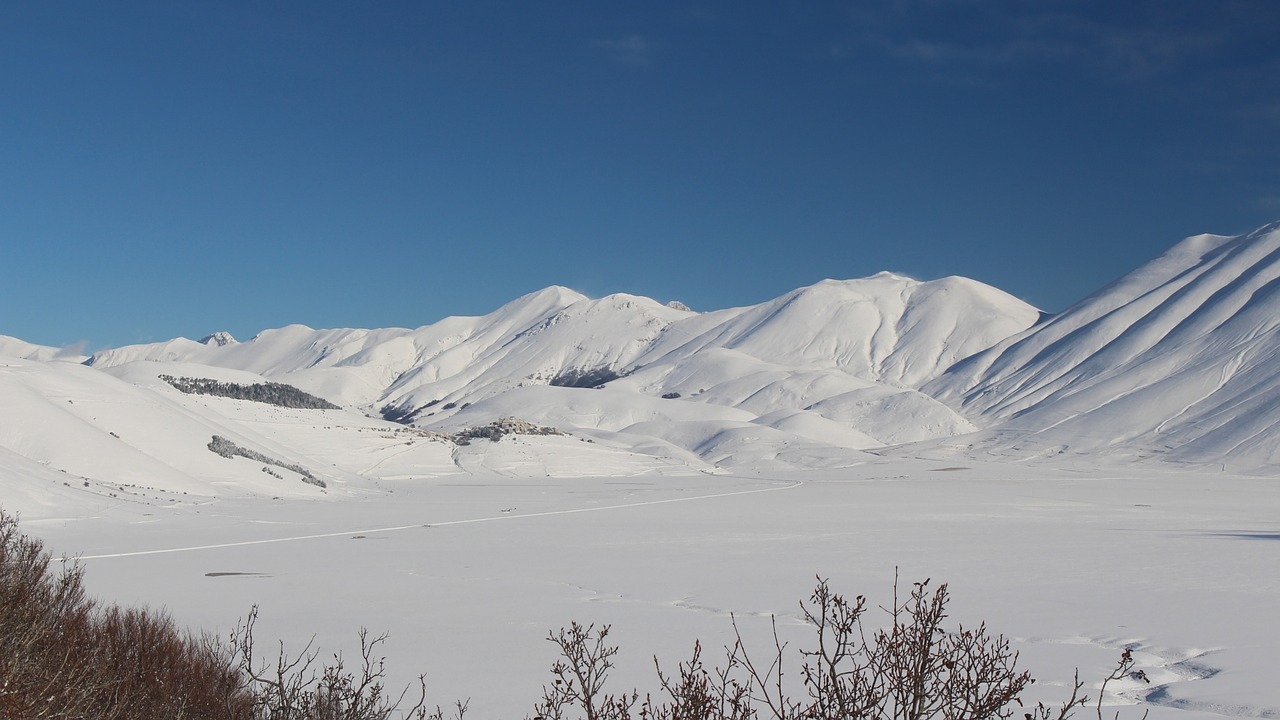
(493, 518)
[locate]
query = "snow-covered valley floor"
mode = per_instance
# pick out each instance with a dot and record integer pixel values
(468, 573)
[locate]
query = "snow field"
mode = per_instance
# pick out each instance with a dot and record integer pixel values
(468, 574)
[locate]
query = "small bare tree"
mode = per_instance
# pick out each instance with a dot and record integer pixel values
(299, 688)
(912, 669)
(694, 692)
(579, 677)
(919, 671)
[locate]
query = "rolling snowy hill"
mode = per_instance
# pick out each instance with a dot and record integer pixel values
(13, 347)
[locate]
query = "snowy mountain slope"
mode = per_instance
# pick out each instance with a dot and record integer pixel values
(832, 364)
(13, 347)
(101, 431)
(1181, 357)
(79, 436)
(567, 346)
(886, 327)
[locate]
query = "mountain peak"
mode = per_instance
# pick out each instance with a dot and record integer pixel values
(221, 338)
(890, 275)
(556, 293)
(550, 299)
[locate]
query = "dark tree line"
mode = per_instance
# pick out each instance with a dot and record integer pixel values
(228, 449)
(269, 392)
(593, 378)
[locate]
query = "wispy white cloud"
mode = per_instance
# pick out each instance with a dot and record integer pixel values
(74, 350)
(967, 37)
(633, 50)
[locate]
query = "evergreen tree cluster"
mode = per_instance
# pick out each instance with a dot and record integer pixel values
(228, 449)
(269, 392)
(592, 378)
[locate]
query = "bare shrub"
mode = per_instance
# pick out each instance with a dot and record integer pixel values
(297, 687)
(579, 678)
(63, 656)
(694, 692)
(157, 670)
(43, 619)
(911, 669)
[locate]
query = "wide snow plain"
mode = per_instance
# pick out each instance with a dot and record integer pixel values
(468, 573)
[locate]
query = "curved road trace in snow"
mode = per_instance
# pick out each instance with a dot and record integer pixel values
(493, 518)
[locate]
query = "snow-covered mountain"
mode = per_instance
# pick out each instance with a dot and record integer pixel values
(1179, 358)
(808, 379)
(186, 478)
(827, 367)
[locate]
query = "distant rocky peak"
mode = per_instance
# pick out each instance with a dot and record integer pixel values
(677, 305)
(221, 338)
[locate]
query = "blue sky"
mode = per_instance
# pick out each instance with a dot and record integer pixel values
(173, 168)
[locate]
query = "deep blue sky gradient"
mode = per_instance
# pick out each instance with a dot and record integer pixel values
(178, 168)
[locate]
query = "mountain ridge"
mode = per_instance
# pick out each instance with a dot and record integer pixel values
(813, 376)
(1178, 360)
(884, 330)
(1177, 357)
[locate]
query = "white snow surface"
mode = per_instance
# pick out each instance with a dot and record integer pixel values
(848, 430)
(469, 573)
